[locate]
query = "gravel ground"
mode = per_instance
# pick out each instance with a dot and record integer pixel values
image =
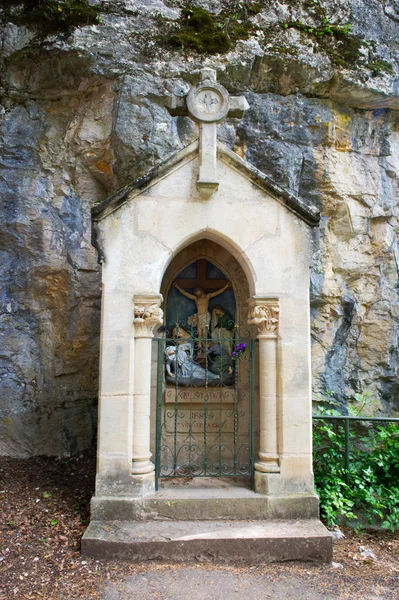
(44, 509)
(236, 584)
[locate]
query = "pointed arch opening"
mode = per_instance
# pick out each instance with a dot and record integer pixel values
(205, 364)
(208, 265)
(221, 249)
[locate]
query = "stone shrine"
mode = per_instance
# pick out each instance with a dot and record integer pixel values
(205, 346)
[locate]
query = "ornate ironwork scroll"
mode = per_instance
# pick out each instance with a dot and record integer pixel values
(205, 399)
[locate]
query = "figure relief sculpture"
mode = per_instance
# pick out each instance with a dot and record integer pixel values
(222, 328)
(208, 101)
(181, 366)
(200, 354)
(201, 320)
(180, 335)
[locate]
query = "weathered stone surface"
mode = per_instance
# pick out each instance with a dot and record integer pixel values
(180, 541)
(50, 284)
(82, 116)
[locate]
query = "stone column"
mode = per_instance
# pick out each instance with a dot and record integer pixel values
(147, 315)
(263, 313)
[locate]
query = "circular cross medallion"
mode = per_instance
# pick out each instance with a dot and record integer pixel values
(208, 102)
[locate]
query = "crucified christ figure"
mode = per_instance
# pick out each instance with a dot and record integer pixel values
(202, 318)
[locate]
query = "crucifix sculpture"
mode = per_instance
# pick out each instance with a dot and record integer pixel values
(201, 296)
(208, 103)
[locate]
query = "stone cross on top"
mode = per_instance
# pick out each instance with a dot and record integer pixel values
(208, 103)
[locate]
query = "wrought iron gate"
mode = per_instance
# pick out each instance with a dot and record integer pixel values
(205, 407)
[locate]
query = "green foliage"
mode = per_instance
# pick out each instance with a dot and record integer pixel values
(51, 16)
(380, 66)
(206, 33)
(371, 484)
(199, 31)
(325, 29)
(337, 41)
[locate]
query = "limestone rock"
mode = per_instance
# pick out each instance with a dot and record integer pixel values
(83, 115)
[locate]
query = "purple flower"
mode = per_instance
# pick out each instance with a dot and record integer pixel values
(240, 347)
(238, 350)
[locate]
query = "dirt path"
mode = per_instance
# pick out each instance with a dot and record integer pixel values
(44, 506)
(269, 583)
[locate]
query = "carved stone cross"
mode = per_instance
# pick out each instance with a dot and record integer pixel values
(208, 103)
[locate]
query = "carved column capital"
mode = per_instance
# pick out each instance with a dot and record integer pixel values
(264, 313)
(147, 314)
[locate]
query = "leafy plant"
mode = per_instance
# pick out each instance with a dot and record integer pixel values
(371, 484)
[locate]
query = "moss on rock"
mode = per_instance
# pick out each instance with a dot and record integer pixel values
(380, 66)
(343, 48)
(50, 16)
(203, 32)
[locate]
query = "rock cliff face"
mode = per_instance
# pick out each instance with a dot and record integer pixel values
(84, 114)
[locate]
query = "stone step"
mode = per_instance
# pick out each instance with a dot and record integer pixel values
(213, 541)
(204, 508)
(206, 499)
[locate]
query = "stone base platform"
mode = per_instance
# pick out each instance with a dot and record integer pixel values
(205, 499)
(213, 541)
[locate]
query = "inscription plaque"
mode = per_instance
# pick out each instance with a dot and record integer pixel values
(199, 395)
(193, 420)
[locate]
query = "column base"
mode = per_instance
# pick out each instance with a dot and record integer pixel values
(143, 484)
(267, 467)
(141, 466)
(125, 486)
(268, 463)
(283, 502)
(263, 482)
